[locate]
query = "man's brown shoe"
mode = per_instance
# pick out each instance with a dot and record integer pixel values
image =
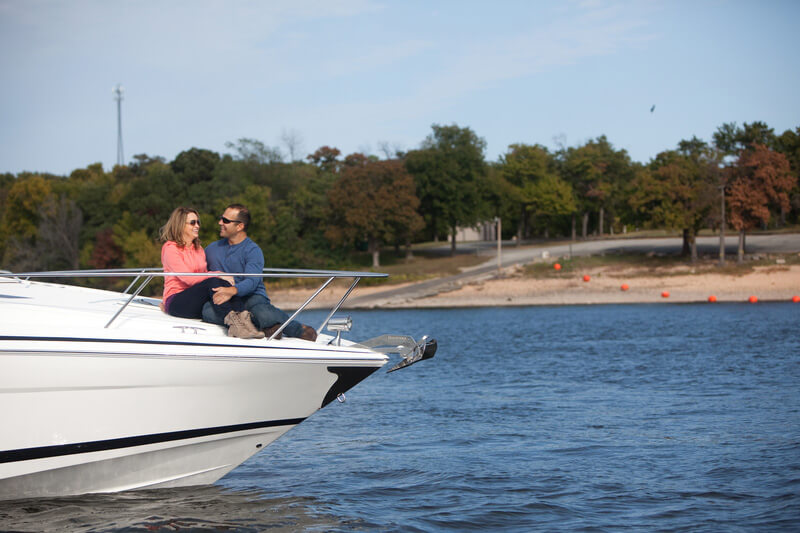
(308, 334)
(272, 329)
(240, 325)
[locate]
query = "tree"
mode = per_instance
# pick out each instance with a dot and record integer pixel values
(21, 218)
(763, 179)
(522, 166)
(789, 145)
(679, 190)
(255, 152)
(54, 244)
(375, 201)
(59, 232)
(731, 139)
(448, 171)
(142, 161)
(293, 141)
(151, 198)
(500, 197)
(552, 198)
(103, 252)
(139, 249)
(326, 158)
(597, 173)
(195, 165)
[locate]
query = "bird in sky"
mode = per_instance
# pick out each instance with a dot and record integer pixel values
(653, 108)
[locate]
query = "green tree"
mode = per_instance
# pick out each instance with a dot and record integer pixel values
(195, 165)
(678, 191)
(151, 198)
(500, 198)
(21, 219)
(598, 174)
(255, 152)
(552, 198)
(139, 249)
(788, 143)
(523, 166)
(732, 139)
(449, 170)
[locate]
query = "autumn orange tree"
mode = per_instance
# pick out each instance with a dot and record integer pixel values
(762, 179)
(373, 201)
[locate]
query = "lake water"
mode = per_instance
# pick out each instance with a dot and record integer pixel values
(626, 417)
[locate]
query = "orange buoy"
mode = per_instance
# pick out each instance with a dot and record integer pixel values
(752, 299)
(712, 298)
(665, 294)
(624, 287)
(796, 299)
(586, 277)
(557, 266)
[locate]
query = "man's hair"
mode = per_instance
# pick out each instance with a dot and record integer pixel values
(243, 216)
(173, 229)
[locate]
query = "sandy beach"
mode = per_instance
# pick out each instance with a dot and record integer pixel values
(766, 283)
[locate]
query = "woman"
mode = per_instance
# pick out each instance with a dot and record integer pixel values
(184, 296)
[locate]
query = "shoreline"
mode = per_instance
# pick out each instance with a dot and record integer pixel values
(776, 283)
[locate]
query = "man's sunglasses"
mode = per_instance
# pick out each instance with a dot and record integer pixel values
(228, 221)
(193, 222)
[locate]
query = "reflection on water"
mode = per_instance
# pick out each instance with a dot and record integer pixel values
(188, 509)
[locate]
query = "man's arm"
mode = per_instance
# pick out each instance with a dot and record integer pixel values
(253, 264)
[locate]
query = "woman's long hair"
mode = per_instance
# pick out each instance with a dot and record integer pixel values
(173, 229)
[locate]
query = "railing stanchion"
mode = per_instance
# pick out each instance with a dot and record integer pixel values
(134, 295)
(338, 305)
(280, 329)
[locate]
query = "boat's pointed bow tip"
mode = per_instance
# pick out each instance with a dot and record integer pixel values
(425, 349)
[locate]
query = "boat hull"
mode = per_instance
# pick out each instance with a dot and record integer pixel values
(82, 415)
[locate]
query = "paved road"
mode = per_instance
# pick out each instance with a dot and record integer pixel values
(512, 255)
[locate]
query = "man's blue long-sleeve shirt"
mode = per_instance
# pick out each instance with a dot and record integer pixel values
(244, 257)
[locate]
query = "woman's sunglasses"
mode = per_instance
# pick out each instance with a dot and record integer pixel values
(193, 222)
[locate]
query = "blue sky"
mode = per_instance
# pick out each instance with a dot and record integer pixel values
(362, 74)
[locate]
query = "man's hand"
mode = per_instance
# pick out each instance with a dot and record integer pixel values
(223, 294)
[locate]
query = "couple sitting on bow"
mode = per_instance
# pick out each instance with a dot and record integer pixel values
(239, 302)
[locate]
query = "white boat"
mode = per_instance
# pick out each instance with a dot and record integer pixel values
(101, 391)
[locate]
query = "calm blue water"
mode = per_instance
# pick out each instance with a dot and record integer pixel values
(646, 417)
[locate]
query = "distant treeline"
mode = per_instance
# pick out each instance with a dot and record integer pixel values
(320, 213)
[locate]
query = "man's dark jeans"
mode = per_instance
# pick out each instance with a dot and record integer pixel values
(264, 315)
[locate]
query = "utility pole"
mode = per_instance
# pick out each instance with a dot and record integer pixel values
(722, 229)
(499, 243)
(117, 92)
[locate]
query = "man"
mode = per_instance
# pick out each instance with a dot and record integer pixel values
(236, 252)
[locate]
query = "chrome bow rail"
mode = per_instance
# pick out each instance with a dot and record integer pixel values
(143, 276)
